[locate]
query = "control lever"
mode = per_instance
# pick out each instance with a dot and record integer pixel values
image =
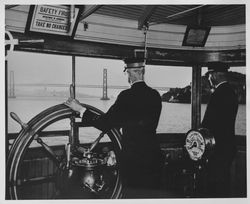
(68, 151)
(93, 145)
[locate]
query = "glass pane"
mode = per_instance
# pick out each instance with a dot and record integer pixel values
(173, 84)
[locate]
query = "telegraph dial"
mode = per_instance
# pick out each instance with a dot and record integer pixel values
(199, 143)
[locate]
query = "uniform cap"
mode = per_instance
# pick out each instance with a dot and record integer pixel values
(133, 63)
(217, 67)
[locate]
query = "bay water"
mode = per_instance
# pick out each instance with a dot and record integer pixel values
(175, 117)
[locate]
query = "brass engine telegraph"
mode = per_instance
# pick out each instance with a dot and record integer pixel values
(199, 144)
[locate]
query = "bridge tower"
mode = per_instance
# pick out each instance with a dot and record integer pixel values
(12, 85)
(105, 85)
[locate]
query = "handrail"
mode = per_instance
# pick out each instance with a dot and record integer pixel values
(171, 138)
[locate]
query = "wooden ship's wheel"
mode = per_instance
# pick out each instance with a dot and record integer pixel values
(73, 171)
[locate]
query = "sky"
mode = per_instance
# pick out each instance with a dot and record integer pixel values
(57, 69)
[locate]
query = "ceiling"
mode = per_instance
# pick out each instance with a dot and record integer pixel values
(124, 26)
(210, 15)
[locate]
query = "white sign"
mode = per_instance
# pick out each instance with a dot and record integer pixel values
(54, 19)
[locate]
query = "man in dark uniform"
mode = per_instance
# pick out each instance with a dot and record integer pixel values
(220, 118)
(137, 111)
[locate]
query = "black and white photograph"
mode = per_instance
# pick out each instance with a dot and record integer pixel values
(124, 100)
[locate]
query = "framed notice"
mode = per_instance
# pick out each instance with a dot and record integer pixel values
(57, 20)
(196, 36)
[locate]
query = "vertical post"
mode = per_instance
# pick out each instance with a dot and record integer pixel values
(196, 96)
(74, 136)
(6, 125)
(196, 109)
(12, 85)
(105, 85)
(73, 76)
(6, 110)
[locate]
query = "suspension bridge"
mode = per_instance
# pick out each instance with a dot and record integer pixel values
(104, 86)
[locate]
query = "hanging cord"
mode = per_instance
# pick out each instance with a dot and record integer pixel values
(145, 42)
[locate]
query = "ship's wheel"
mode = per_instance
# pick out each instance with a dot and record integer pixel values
(42, 166)
(10, 42)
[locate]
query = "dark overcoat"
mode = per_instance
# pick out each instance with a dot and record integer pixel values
(220, 119)
(137, 111)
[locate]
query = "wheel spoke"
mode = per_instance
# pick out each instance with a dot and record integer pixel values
(36, 180)
(49, 150)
